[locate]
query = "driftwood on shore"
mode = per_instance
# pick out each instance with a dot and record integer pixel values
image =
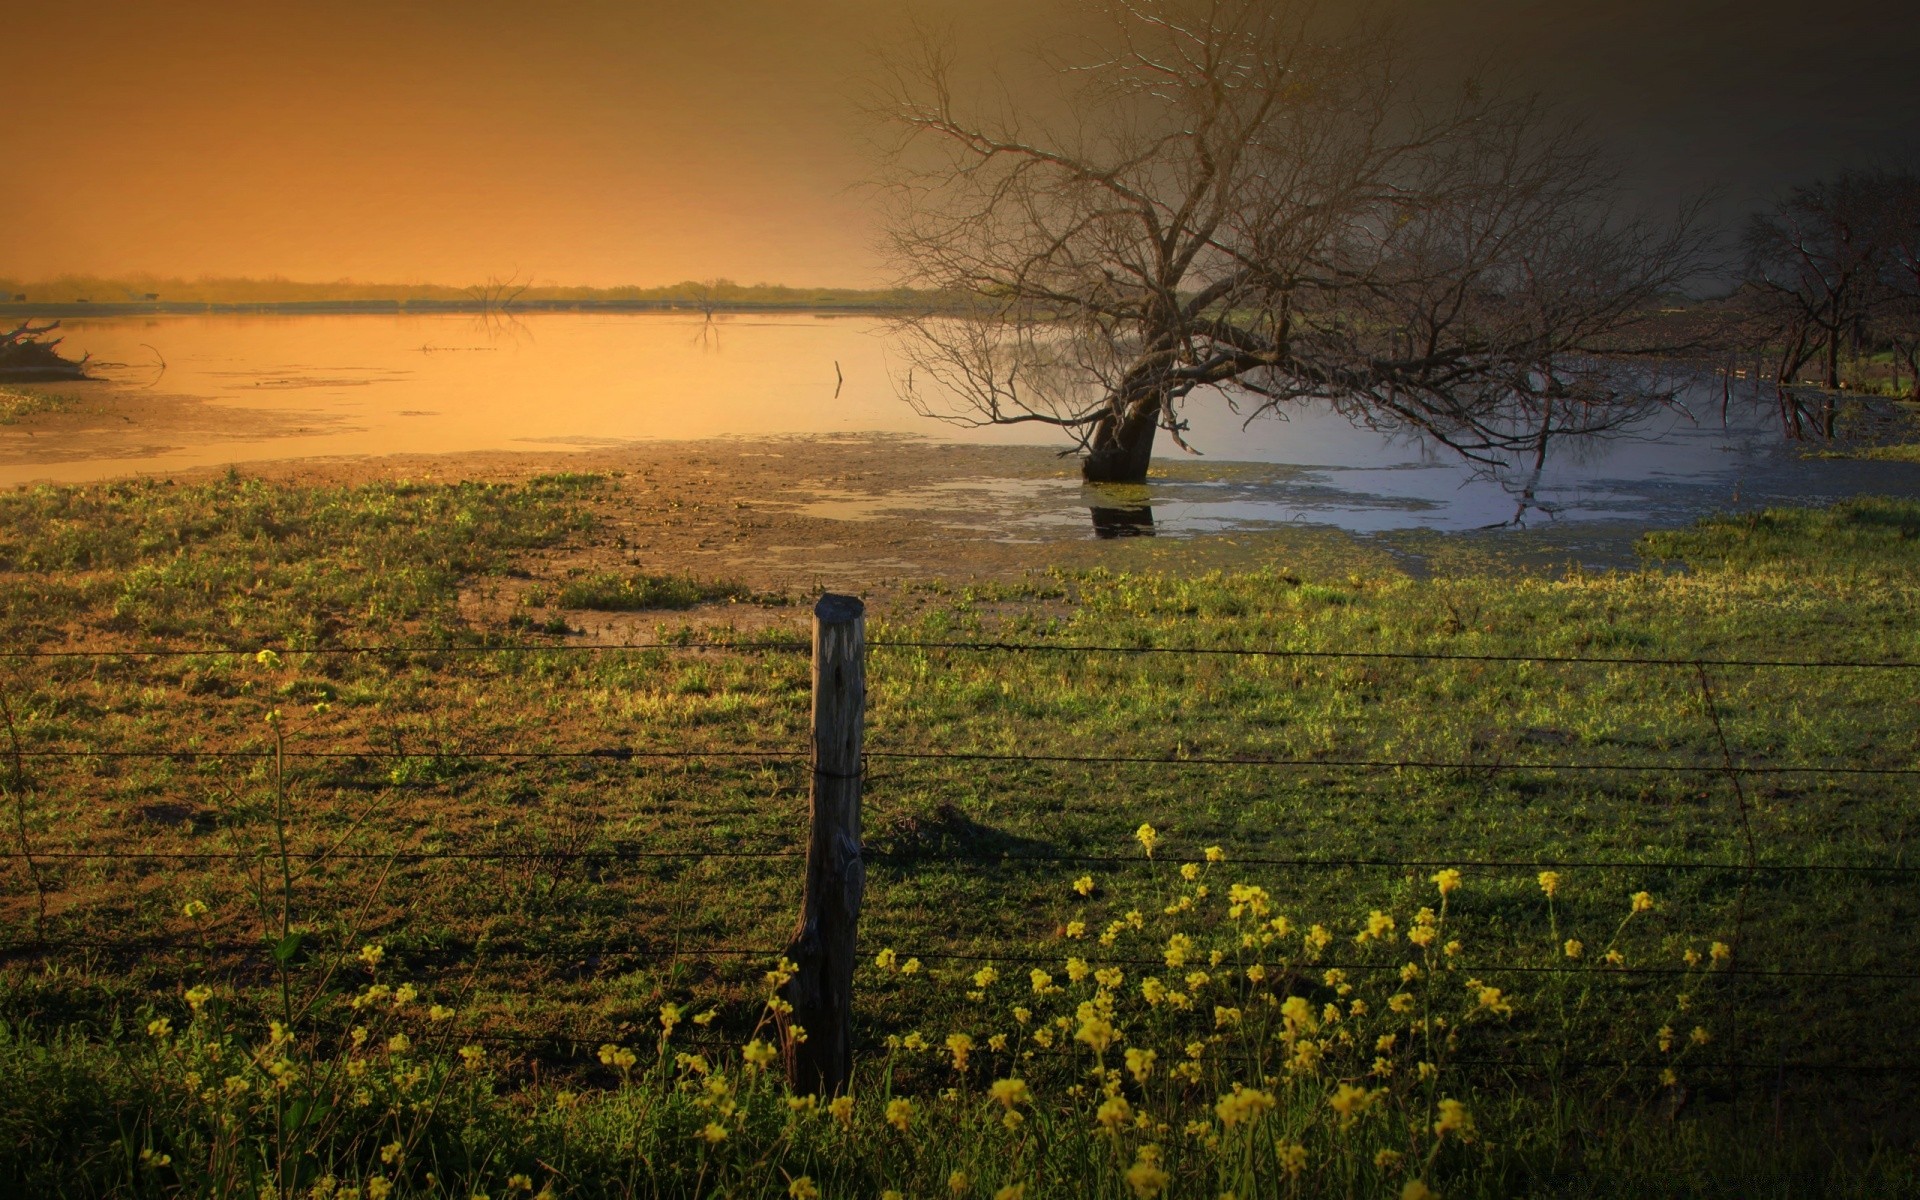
(27, 356)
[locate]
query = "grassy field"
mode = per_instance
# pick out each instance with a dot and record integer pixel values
(1279, 989)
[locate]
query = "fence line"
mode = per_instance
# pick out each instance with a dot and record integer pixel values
(1001, 646)
(623, 753)
(635, 854)
(466, 953)
(672, 953)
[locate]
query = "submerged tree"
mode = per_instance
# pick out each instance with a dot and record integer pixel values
(1246, 199)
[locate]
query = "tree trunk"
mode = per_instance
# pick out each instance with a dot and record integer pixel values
(1122, 446)
(1833, 360)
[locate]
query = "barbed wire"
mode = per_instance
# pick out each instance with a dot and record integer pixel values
(629, 853)
(670, 952)
(798, 645)
(626, 753)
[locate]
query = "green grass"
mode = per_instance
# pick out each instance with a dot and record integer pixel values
(611, 592)
(17, 404)
(547, 956)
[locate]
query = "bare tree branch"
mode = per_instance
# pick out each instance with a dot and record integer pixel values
(1243, 198)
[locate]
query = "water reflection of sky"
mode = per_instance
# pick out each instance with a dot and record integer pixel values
(292, 387)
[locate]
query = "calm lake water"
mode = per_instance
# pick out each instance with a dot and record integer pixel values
(255, 388)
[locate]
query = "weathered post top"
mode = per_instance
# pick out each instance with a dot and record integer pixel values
(835, 609)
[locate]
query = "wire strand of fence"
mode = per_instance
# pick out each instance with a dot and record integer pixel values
(461, 956)
(613, 753)
(1201, 760)
(798, 646)
(997, 859)
(625, 753)
(1414, 655)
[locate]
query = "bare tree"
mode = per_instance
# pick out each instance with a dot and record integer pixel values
(1897, 301)
(1246, 198)
(1812, 263)
(497, 294)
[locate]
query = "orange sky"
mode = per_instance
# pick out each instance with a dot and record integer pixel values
(645, 142)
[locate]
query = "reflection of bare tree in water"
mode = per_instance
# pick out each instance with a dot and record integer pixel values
(707, 296)
(1121, 511)
(496, 299)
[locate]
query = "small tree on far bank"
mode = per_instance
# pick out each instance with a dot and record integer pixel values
(1832, 271)
(1242, 197)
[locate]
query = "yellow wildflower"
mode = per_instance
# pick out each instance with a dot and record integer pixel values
(1114, 1112)
(1076, 929)
(1447, 880)
(1242, 1104)
(713, 1134)
(800, 1187)
(1379, 925)
(1350, 1103)
(372, 953)
(1140, 1063)
(1146, 1177)
(1097, 1032)
(958, 1182)
(1010, 1092)
(1216, 854)
(840, 1108)
(758, 1054)
(1148, 837)
(1084, 885)
(1454, 1119)
(1642, 902)
(1013, 1191)
(1417, 1189)
(900, 1114)
(1293, 1158)
(960, 1045)
(1574, 948)
(1550, 883)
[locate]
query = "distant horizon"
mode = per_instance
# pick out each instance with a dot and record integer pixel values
(137, 287)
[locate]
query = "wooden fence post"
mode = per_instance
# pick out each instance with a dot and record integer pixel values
(823, 946)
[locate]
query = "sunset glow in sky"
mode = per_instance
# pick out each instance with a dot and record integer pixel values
(642, 142)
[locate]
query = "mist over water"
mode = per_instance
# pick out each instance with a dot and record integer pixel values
(243, 388)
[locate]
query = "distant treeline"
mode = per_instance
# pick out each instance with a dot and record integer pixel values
(67, 290)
